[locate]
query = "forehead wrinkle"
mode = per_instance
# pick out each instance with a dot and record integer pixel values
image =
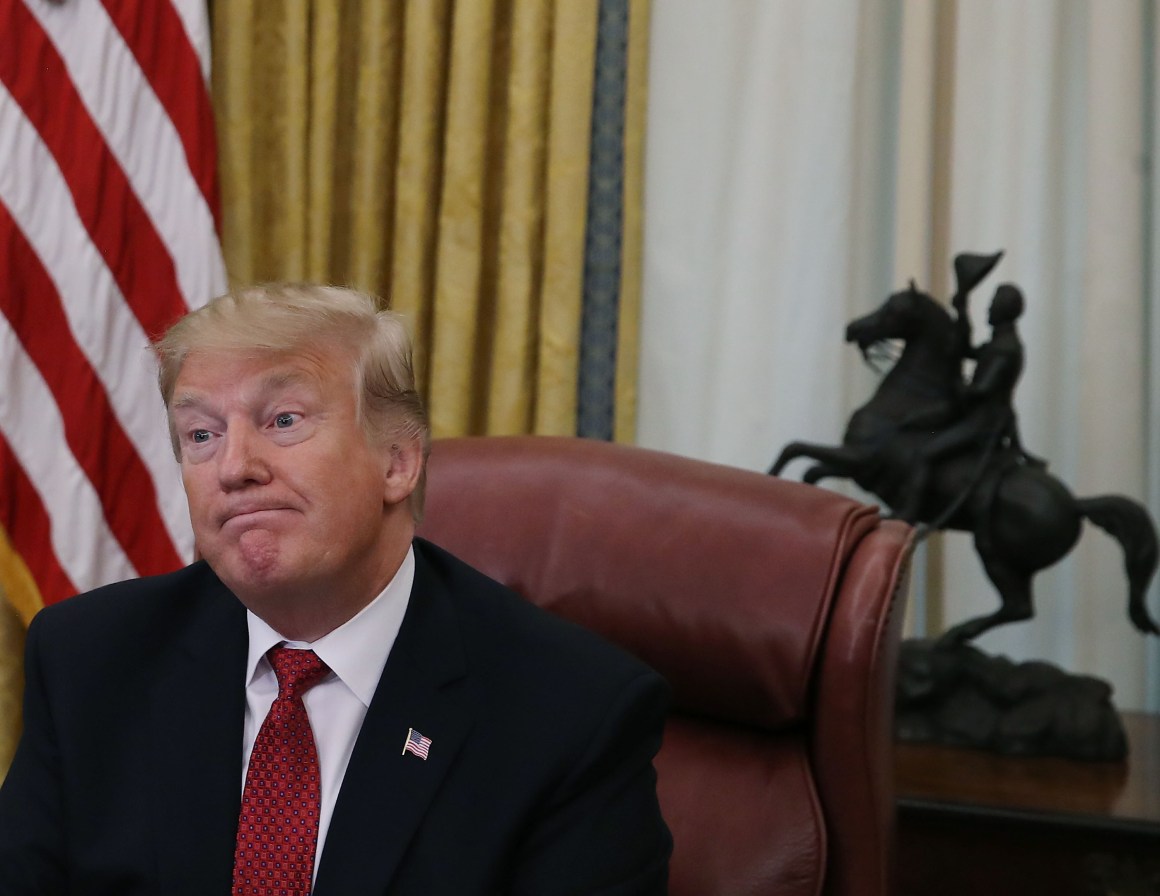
(276, 380)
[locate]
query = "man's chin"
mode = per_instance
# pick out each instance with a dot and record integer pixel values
(252, 566)
(258, 550)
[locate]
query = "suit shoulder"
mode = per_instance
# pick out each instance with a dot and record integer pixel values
(128, 606)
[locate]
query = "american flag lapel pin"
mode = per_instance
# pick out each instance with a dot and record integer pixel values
(416, 743)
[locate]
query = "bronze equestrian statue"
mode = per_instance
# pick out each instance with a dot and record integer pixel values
(945, 452)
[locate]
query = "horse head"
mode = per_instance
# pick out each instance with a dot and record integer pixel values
(908, 315)
(927, 373)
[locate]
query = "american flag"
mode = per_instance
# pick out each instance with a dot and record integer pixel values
(108, 233)
(417, 744)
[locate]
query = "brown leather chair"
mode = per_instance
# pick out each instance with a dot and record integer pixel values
(771, 607)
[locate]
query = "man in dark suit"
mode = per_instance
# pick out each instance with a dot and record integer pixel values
(323, 703)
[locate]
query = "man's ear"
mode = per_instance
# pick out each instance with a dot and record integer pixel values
(404, 466)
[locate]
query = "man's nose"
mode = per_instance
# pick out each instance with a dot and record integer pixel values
(242, 460)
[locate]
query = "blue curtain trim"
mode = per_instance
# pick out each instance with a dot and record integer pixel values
(596, 403)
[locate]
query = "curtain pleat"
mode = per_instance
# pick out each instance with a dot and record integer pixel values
(519, 273)
(462, 332)
(565, 213)
(325, 140)
(632, 225)
(419, 171)
(375, 146)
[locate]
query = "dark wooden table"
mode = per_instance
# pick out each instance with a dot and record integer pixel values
(976, 823)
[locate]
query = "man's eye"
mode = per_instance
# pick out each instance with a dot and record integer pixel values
(200, 435)
(284, 420)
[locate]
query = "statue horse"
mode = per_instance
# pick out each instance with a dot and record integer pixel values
(1023, 518)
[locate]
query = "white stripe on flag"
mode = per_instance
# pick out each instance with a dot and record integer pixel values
(192, 15)
(141, 137)
(80, 536)
(35, 192)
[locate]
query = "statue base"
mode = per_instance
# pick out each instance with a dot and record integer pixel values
(957, 695)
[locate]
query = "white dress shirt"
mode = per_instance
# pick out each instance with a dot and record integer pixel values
(356, 653)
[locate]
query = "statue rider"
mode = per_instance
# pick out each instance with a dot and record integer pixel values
(986, 420)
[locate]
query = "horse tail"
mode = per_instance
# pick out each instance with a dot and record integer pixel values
(1129, 523)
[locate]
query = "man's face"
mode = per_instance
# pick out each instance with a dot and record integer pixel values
(287, 496)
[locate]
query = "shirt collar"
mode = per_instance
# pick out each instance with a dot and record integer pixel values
(357, 650)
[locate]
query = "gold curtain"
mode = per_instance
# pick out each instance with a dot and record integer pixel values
(19, 600)
(434, 153)
(11, 681)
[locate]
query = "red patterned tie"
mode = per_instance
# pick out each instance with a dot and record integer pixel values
(278, 827)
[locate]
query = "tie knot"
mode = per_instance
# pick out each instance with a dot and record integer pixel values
(297, 670)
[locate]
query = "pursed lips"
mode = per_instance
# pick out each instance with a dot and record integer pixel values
(252, 514)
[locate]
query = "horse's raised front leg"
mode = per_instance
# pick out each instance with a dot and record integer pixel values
(1015, 604)
(836, 460)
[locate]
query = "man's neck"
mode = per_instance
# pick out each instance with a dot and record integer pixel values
(317, 608)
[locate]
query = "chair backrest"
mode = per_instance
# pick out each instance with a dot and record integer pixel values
(771, 607)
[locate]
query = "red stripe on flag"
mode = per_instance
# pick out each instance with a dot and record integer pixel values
(32, 305)
(24, 518)
(157, 39)
(35, 75)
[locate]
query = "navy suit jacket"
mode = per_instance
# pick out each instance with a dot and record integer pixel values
(127, 779)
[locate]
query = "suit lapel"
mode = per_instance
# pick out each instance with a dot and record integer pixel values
(385, 792)
(198, 707)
